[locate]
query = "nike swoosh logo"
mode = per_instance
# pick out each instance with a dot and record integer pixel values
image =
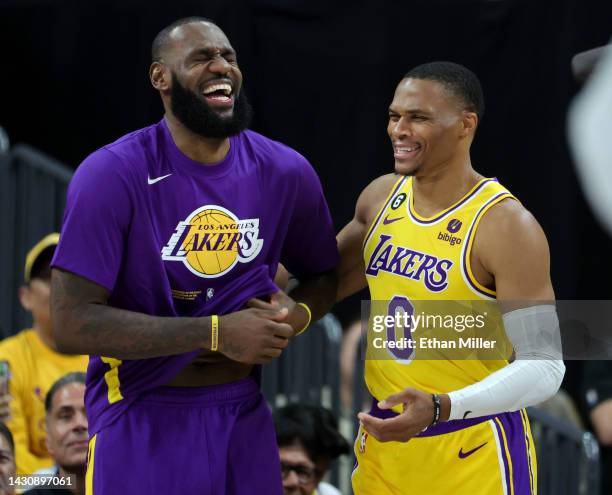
(463, 455)
(157, 179)
(387, 221)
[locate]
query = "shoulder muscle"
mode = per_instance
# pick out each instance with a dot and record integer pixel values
(512, 246)
(371, 198)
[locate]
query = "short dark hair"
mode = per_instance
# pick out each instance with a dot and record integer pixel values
(314, 427)
(161, 40)
(456, 78)
(6, 433)
(75, 377)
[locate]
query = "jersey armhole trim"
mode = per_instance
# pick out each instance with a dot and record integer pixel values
(396, 187)
(466, 266)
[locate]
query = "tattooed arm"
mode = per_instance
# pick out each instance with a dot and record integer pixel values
(84, 324)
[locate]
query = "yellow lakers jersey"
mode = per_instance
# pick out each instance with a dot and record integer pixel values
(34, 368)
(414, 264)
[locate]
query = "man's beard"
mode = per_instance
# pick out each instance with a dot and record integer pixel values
(199, 118)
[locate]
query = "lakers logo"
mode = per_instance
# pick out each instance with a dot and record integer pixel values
(212, 240)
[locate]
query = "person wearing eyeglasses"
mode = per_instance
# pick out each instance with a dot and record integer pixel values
(308, 441)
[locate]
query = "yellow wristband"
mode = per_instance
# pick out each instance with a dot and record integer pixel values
(309, 317)
(214, 339)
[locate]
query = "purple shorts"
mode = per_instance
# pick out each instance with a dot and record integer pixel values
(173, 440)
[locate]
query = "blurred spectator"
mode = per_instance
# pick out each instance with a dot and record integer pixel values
(34, 364)
(7, 460)
(584, 63)
(308, 441)
(67, 438)
(590, 128)
(598, 397)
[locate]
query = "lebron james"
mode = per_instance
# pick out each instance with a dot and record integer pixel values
(168, 233)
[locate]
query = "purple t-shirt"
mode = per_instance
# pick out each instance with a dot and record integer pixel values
(168, 236)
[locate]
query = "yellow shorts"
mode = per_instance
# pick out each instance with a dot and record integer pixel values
(493, 455)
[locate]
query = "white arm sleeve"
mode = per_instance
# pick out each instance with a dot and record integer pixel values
(533, 377)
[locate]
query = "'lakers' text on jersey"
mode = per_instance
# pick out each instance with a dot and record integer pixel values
(415, 265)
(412, 261)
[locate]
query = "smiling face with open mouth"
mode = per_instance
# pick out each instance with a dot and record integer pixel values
(425, 126)
(205, 94)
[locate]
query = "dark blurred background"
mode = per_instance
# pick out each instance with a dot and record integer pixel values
(320, 75)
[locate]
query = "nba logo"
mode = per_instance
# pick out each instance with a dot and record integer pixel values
(364, 437)
(210, 293)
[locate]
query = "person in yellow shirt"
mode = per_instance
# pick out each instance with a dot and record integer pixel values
(34, 364)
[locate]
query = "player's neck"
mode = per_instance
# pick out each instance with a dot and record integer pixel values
(437, 190)
(207, 151)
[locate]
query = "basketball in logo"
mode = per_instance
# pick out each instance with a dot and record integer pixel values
(208, 229)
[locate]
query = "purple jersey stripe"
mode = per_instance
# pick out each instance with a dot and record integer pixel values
(528, 446)
(382, 210)
(446, 212)
(517, 437)
(502, 448)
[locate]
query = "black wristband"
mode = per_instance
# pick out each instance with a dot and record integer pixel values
(436, 412)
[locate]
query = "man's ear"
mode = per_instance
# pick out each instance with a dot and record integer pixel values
(25, 297)
(159, 76)
(469, 122)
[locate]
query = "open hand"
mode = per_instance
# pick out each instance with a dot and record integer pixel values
(417, 415)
